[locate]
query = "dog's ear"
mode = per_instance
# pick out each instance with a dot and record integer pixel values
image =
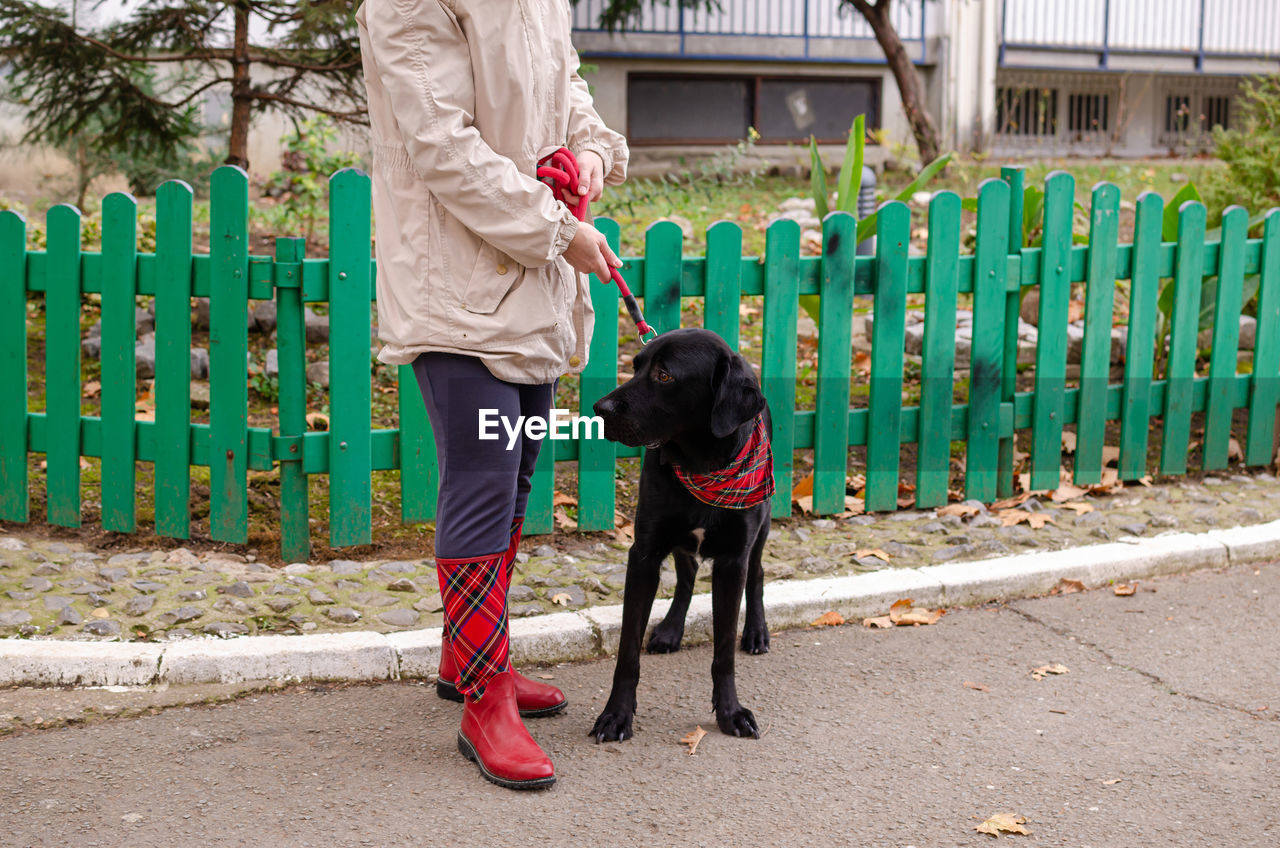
(738, 398)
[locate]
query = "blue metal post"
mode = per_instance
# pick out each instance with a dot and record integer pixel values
(806, 29)
(1004, 28)
(1200, 47)
(923, 7)
(1106, 34)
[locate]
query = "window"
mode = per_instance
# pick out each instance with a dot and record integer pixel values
(692, 109)
(1026, 111)
(1215, 112)
(1177, 113)
(1088, 113)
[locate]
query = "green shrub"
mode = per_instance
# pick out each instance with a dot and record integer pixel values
(1250, 151)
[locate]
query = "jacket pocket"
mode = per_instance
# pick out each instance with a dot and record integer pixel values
(490, 281)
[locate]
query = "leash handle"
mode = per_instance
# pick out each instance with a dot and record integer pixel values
(560, 172)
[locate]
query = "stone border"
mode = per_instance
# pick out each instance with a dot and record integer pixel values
(593, 632)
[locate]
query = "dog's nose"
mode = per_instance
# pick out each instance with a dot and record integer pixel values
(607, 405)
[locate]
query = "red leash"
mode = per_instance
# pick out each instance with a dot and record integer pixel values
(560, 172)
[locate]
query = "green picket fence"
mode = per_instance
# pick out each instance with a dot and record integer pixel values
(350, 450)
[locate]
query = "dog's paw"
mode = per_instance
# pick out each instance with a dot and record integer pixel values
(738, 722)
(612, 727)
(755, 640)
(664, 640)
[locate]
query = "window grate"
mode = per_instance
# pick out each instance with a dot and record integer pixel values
(1027, 111)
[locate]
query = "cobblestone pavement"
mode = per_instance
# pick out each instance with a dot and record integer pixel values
(51, 589)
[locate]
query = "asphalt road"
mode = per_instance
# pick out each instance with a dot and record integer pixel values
(1162, 732)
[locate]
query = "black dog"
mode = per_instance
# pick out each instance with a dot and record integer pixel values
(697, 406)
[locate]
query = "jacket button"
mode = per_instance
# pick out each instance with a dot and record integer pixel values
(502, 269)
(574, 361)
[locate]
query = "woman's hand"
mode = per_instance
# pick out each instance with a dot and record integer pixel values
(589, 252)
(590, 175)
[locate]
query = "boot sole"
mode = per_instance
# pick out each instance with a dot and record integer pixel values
(468, 750)
(449, 692)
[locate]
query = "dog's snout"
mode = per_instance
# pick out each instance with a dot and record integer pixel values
(607, 405)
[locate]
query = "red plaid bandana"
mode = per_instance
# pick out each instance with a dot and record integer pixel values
(744, 482)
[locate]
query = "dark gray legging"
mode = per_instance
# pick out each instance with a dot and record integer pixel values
(483, 486)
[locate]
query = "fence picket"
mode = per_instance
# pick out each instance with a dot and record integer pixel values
(62, 366)
(291, 382)
(1226, 338)
(419, 471)
(987, 351)
(942, 282)
(663, 268)
(835, 337)
(350, 419)
(884, 440)
(1185, 327)
(119, 372)
(1051, 349)
(14, 497)
(172, 386)
(1095, 358)
(1139, 353)
(1013, 177)
(597, 458)
(778, 357)
(228, 354)
(1261, 446)
(724, 281)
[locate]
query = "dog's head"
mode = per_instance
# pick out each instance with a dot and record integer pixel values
(687, 383)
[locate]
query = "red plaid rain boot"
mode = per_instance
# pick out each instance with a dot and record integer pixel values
(492, 735)
(533, 698)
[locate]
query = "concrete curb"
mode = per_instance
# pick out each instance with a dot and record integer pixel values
(593, 632)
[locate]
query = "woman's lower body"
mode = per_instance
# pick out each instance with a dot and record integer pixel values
(484, 487)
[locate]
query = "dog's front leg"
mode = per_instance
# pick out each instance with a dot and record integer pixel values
(614, 724)
(727, 579)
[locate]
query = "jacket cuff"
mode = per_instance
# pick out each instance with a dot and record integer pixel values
(565, 231)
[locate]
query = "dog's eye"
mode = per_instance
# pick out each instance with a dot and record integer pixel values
(662, 376)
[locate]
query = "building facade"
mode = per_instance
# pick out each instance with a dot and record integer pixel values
(1031, 77)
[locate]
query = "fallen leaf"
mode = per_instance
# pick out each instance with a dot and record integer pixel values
(692, 738)
(317, 421)
(561, 499)
(1008, 503)
(881, 621)
(1067, 492)
(92, 389)
(805, 502)
(1078, 507)
(625, 534)
(1040, 672)
(1003, 823)
(853, 506)
(547, 676)
(561, 598)
(964, 510)
(1110, 455)
(830, 618)
(862, 362)
(1068, 587)
(1126, 589)
(981, 687)
(905, 613)
(1068, 441)
(1112, 782)
(875, 552)
(564, 522)
(803, 487)
(1234, 451)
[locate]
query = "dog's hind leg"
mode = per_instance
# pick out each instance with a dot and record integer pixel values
(727, 578)
(755, 632)
(666, 636)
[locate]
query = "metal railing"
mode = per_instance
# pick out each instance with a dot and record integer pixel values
(790, 19)
(1199, 28)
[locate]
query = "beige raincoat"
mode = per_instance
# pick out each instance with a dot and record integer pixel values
(465, 96)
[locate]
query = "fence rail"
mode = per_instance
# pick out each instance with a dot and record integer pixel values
(986, 421)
